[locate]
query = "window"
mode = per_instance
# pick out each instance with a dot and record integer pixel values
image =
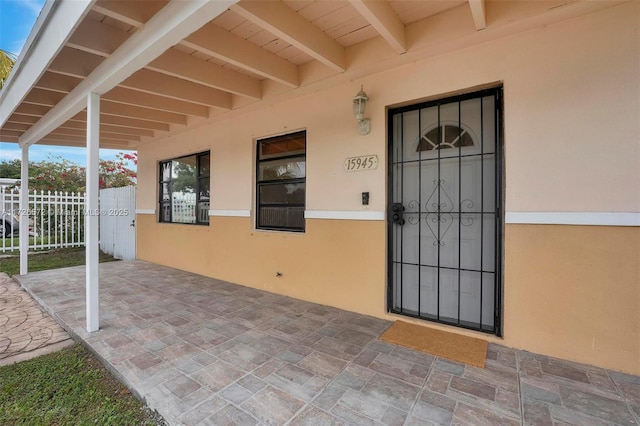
(445, 136)
(280, 182)
(184, 189)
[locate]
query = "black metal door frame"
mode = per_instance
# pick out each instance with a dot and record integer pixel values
(395, 212)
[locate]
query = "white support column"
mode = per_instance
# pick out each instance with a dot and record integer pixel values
(24, 210)
(92, 216)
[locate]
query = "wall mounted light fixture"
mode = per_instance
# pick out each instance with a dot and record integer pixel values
(359, 107)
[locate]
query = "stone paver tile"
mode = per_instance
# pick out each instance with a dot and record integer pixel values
(508, 401)
(322, 364)
(196, 415)
(305, 392)
(235, 393)
(329, 396)
(272, 406)
(394, 417)
(565, 372)
(561, 414)
(351, 417)
(365, 358)
(188, 366)
(536, 413)
(413, 356)
(178, 351)
(391, 391)
(316, 417)
(230, 416)
(448, 367)
(400, 369)
(473, 388)
(118, 341)
(217, 375)
(630, 391)
(291, 357)
(337, 348)
(349, 378)
(145, 361)
(244, 357)
(251, 383)
(367, 405)
(438, 381)
(539, 394)
(467, 414)
(438, 400)
(596, 406)
(431, 413)
(619, 377)
(182, 386)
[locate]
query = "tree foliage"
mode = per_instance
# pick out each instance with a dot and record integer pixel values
(7, 60)
(59, 174)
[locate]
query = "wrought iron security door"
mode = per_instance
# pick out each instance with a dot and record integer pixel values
(444, 219)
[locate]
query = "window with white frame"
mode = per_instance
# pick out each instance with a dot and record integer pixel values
(184, 189)
(281, 182)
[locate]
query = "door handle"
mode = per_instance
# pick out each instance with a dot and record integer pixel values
(396, 213)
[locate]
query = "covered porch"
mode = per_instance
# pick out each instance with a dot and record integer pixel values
(205, 351)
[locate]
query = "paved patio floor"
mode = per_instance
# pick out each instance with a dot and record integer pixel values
(203, 351)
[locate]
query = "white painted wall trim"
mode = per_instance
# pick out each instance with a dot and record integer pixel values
(344, 214)
(145, 211)
(574, 218)
(230, 213)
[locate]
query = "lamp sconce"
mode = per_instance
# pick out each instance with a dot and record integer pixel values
(359, 107)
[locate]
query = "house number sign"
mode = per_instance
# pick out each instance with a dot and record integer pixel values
(358, 164)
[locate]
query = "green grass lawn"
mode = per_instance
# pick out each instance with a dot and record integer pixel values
(68, 387)
(52, 259)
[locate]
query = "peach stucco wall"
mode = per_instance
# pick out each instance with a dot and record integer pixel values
(571, 127)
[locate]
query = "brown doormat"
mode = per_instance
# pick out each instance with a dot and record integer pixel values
(456, 347)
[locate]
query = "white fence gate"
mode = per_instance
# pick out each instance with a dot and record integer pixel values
(117, 222)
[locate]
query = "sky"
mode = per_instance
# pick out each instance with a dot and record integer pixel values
(16, 20)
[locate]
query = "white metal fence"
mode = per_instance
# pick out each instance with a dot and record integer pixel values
(56, 219)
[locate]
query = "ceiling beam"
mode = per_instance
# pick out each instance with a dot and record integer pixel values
(186, 67)
(131, 12)
(33, 110)
(23, 119)
(79, 125)
(156, 83)
(283, 22)
(75, 63)
(225, 46)
(76, 132)
(97, 38)
(135, 123)
(43, 97)
(123, 110)
(7, 138)
(14, 133)
(70, 141)
(15, 126)
(385, 20)
(478, 13)
(57, 82)
(166, 28)
(162, 103)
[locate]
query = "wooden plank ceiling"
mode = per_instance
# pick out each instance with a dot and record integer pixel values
(223, 65)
